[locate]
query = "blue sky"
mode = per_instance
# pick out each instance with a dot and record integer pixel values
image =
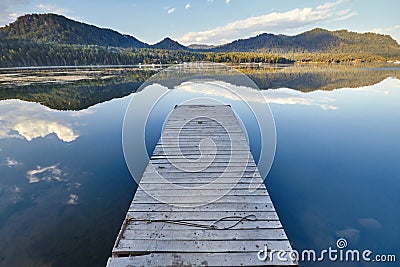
(217, 21)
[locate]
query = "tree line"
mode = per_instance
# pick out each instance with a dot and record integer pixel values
(25, 53)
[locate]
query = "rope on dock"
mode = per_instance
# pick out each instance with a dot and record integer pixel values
(212, 226)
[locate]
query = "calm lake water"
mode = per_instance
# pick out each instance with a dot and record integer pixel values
(65, 186)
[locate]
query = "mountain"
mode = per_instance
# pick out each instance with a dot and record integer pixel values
(50, 39)
(169, 44)
(317, 41)
(312, 41)
(54, 28)
(201, 46)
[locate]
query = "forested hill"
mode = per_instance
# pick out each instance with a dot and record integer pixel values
(169, 44)
(317, 41)
(52, 28)
(59, 29)
(50, 39)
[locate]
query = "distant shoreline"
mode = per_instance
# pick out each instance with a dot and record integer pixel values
(254, 65)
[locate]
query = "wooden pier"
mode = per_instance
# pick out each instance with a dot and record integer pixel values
(201, 200)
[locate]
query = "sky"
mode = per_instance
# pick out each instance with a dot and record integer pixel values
(217, 21)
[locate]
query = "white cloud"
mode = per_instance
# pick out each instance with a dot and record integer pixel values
(9, 13)
(351, 234)
(346, 16)
(73, 199)
(49, 8)
(7, 10)
(13, 16)
(187, 6)
(281, 96)
(44, 174)
(31, 129)
(394, 27)
(10, 162)
(344, 12)
(27, 120)
(293, 97)
(171, 10)
(16, 189)
(84, 112)
(228, 1)
(370, 223)
(393, 31)
(330, 5)
(271, 22)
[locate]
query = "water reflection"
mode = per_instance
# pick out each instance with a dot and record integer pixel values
(70, 89)
(284, 96)
(196, 84)
(335, 173)
(315, 77)
(65, 188)
(49, 173)
(79, 89)
(59, 174)
(31, 120)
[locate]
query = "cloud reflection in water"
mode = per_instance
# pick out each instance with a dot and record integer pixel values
(27, 120)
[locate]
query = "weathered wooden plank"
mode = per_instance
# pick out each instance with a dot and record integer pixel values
(205, 157)
(147, 199)
(219, 181)
(244, 225)
(213, 164)
(179, 127)
(205, 234)
(228, 150)
(188, 193)
(206, 140)
(206, 154)
(162, 246)
(221, 170)
(197, 259)
(201, 123)
(214, 207)
(200, 215)
(215, 160)
(195, 134)
(218, 123)
(227, 128)
(246, 173)
(195, 131)
(215, 167)
(226, 172)
(168, 191)
(184, 185)
(233, 183)
(225, 177)
(201, 158)
(203, 181)
(171, 177)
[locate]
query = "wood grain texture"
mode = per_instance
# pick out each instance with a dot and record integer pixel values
(201, 200)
